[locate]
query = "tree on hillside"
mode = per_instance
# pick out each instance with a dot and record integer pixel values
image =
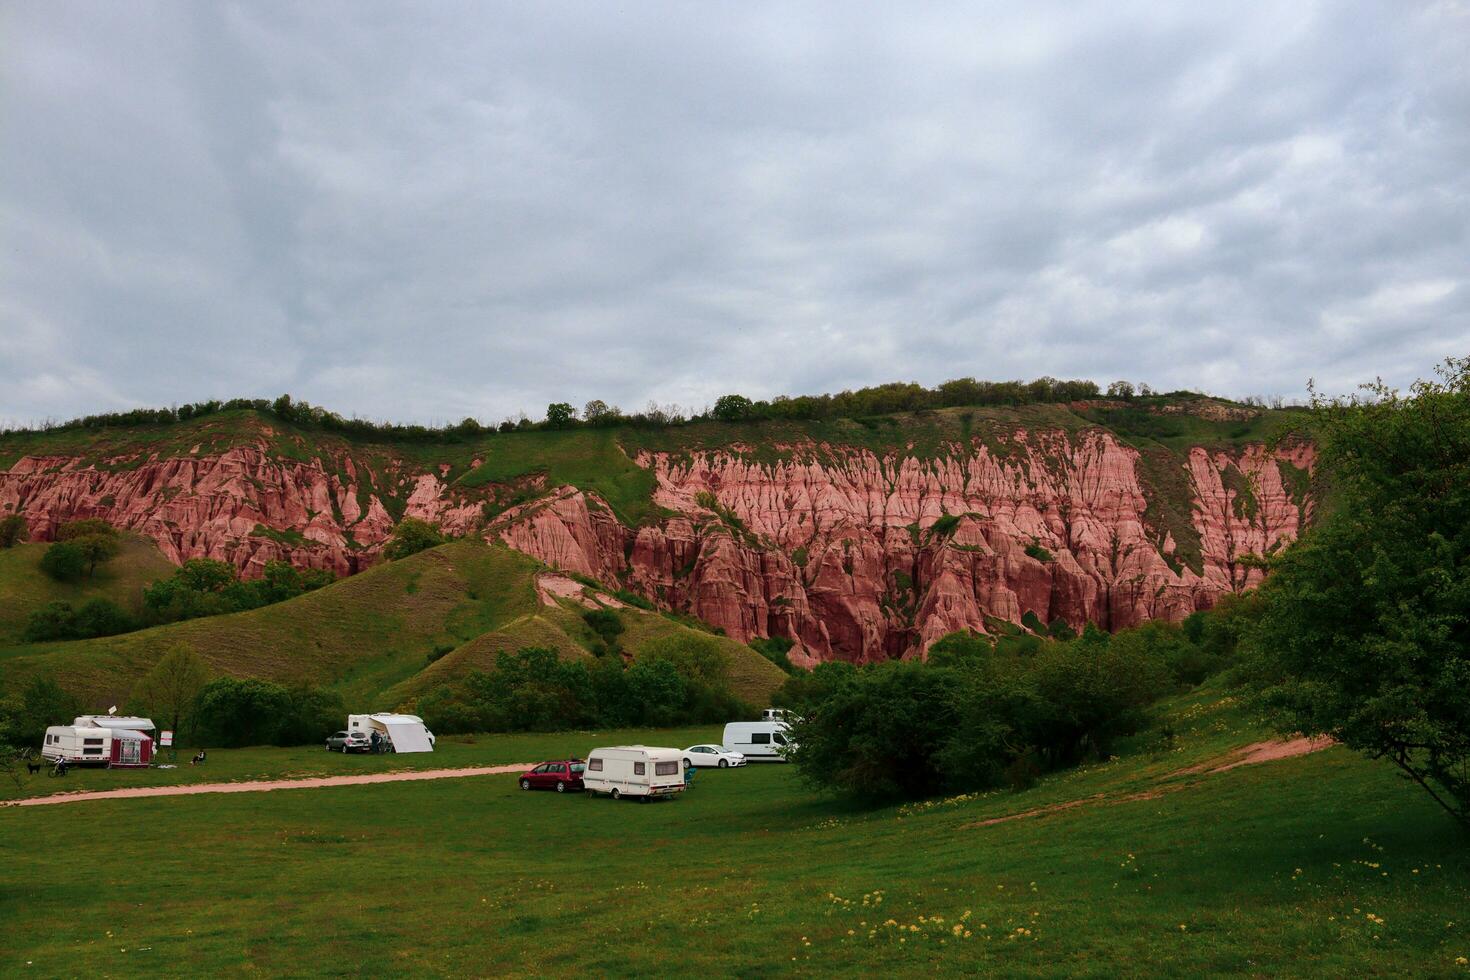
(1121, 389)
(559, 415)
(1364, 628)
(13, 530)
(41, 703)
(64, 562)
(732, 408)
(171, 689)
(95, 538)
(412, 536)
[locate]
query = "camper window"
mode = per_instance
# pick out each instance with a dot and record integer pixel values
(91, 741)
(595, 765)
(639, 769)
(780, 739)
(665, 768)
(760, 738)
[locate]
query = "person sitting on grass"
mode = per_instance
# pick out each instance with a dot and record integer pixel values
(198, 759)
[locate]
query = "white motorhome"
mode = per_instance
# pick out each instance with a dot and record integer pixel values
(641, 771)
(758, 739)
(114, 741)
(405, 733)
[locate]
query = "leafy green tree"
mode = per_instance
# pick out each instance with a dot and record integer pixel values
(1364, 629)
(732, 408)
(13, 530)
(96, 539)
(170, 691)
(412, 536)
(559, 415)
(880, 734)
(64, 561)
(42, 703)
(312, 714)
(233, 712)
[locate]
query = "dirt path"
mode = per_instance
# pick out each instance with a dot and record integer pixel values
(1248, 755)
(265, 785)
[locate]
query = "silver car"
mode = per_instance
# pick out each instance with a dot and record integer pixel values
(349, 742)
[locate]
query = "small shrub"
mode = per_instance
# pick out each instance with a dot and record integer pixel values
(1036, 551)
(945, 525)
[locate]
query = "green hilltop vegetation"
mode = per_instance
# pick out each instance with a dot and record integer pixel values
(379, 638)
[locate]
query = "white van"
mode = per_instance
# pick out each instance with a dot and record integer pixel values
(758, 739)
(643, 771)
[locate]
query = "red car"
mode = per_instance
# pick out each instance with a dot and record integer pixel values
(563, 776)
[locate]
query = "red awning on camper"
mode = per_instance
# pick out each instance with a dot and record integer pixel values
(130, 750)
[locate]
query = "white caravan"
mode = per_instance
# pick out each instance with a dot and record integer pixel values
(634, 770)
(758, 739)
(405, 733)
(118, 742)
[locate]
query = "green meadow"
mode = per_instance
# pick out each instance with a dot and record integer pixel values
(1321, 865)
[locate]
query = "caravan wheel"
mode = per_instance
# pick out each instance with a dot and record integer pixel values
(616, 795)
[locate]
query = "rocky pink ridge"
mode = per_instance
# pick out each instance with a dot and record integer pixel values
(834, 549)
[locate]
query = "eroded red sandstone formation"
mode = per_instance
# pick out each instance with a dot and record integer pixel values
(838, 550)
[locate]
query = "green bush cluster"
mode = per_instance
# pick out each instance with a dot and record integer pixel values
(234, 712)
(978, 715)
(206, 587)
(61, 621)
(679, 681)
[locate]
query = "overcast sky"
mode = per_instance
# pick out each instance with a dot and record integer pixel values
(426, 211)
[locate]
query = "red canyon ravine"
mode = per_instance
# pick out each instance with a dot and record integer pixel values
(837, 549)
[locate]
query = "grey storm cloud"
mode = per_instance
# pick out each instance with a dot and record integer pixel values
(421, 212)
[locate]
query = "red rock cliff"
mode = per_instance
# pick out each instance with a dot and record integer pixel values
(850, 554)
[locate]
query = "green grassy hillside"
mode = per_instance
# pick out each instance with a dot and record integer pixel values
(1322, 865)
(24, 588)
(378, 637)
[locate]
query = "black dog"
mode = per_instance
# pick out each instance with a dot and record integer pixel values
(33, 767)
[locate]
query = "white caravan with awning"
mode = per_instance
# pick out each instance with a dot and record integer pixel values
(405, 733)
(110, 740)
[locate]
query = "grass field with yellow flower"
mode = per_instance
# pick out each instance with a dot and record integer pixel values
(1322, 864)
